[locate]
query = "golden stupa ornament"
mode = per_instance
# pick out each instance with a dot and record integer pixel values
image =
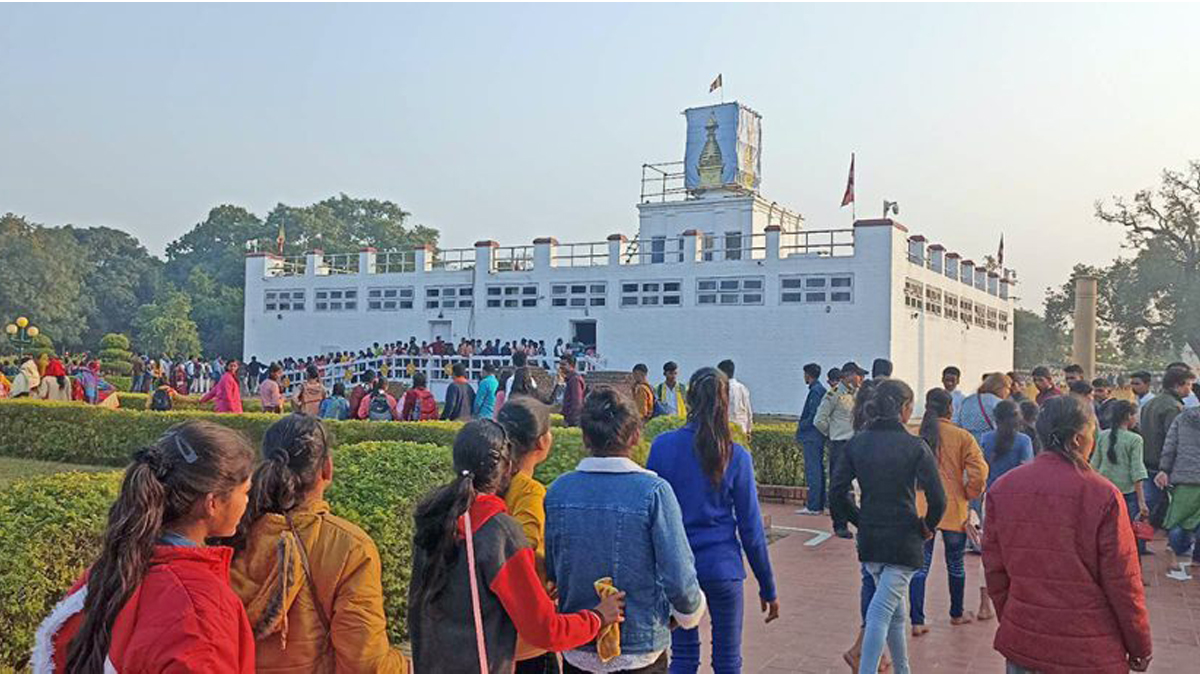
(711, 165)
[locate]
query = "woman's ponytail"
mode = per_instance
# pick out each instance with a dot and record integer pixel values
(887, 402)
(938, 406)
(165, 480)
(294, 450)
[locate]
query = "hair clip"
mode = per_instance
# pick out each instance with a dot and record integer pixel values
(185, 449)
(465, 473)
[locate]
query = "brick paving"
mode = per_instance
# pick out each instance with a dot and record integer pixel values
(819, 587)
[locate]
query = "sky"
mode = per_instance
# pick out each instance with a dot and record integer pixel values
(511, 122)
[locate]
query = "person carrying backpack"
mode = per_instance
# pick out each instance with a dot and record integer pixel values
(378, 405)
(163, 398)
(335, 407)
(419, 403)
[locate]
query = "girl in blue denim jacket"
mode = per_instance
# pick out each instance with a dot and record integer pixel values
(713, 478)
(612, 518)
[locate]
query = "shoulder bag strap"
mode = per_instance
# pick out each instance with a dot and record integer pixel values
(480, 643)
(986, 418)
(312, 585)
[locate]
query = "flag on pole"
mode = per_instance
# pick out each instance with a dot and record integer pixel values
(280, 239)
(848, 196)
(1000, 254)
(716, 84)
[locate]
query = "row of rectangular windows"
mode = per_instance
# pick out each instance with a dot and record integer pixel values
(934, 301)
(803, 289)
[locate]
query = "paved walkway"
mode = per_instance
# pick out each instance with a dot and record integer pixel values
(819, 587)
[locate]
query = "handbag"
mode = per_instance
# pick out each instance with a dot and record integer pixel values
(1143, 530)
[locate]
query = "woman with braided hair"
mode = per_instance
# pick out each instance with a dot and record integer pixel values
(310, 581)
(474, 583)
(158, 599)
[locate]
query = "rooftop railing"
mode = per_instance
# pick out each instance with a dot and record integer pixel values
(823, 243)
(590, 254)
(453, 259)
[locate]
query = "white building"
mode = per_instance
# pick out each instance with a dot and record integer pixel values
(715, 271)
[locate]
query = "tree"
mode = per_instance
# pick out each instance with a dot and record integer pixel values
(115, 357)
(1157, 290)
(344, 224)
(1035, 341)
(217, 245)
(166, 326)
(41, 277)
(218, 312)
(119, 276)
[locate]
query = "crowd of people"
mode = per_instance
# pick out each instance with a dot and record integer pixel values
(217, 560)
(49, 378)
(1058, 491)
(1060, 494)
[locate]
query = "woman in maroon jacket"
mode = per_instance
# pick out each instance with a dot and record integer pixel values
(1060, 558)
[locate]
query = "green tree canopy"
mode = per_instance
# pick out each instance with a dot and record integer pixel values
(217, 245)
(344, 224)
(166, 326)
(119, 276)
(41, 278)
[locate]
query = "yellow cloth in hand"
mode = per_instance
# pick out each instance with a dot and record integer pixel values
(608, 642)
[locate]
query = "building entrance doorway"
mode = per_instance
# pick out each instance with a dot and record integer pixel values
(440, 329)
(584, 332)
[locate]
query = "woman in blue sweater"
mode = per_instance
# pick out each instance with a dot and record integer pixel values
(713, 480)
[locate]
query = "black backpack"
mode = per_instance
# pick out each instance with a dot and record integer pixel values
(380, 410)
(160, 400)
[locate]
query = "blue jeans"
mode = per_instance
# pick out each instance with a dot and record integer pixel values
(813, 444)
(886, 618)
(1154, 494)
(956, 546)
(1131, 505)
(725, 612)
(866, 592)
(1181, 540)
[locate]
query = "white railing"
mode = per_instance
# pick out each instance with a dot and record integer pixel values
(454, 259)
(437, 369)
(291, 266)
(825, 243)
(512, 259)
(339, 263)
(590, 254)
(395, 262)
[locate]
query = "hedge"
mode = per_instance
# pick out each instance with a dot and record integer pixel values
(137, 401)
(83, 434)
(51, 527)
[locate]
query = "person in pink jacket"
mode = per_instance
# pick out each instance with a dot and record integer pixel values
(227, 395)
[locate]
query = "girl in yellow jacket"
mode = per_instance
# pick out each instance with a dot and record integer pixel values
(526, 422)
(964, 473)
(310, 581)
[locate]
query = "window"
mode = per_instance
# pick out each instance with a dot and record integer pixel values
(817, 289)
(1003, 321)
(729, 291)
(913, 295)
(389, 299)
(992, 319)
(951, 306)
(284, 301)
(933, 300)
(583, 294)
(733, 245)
(449, 297)
(651, 294)
(658, 249)
(966, 310)
(336, 300)
(980, 315)
(512, 296)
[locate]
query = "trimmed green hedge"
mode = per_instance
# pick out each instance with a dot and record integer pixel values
(50, 531)
(137, 401)
(778, 458)
(83, 434)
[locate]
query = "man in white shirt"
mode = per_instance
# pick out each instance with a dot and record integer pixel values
(950, 379)
(1140, 382)
(739, 399)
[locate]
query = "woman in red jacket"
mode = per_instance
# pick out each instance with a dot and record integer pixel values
(1060, 558)
(158, 600)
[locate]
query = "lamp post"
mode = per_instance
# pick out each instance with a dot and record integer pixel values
(21, 333)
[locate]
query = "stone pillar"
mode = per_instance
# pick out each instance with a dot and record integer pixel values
(366, 261)
(423, 258)
(772, 232)
(543, 252)
(618, 246)
(1084, 350)
(314, 262)
(483, 256)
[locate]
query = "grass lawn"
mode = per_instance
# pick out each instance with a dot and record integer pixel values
(12, 469)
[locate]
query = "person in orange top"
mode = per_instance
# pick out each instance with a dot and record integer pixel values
(964, 473)
(643, 395)
(527, 423)
(310, 581)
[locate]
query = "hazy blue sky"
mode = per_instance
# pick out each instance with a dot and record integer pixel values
(516, 121)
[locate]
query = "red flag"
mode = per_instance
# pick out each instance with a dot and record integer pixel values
(848, 197)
